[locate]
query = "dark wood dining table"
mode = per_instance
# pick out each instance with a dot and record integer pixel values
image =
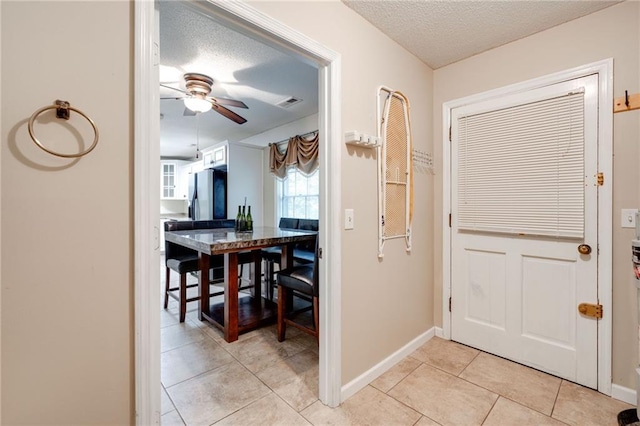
(236, 315)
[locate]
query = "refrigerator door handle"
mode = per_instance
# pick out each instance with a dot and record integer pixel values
(194, 197)
(195, 209)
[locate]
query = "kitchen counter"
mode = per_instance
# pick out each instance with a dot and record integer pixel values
(173, 216)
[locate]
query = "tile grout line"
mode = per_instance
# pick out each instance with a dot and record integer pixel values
(197, 376)
(491, 409)
(467, 366)
(407, 375)
(401, 380)
(241, 408)
(400, 402)
(179, 346)
(555, 401)
(174, 405)
(489, 390)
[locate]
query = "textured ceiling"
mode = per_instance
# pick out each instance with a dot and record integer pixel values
(242, 69)
(443, 32)
(438, 32)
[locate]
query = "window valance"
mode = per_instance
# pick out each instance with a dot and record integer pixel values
(300, 152)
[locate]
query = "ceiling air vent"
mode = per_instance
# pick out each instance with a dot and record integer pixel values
(288, 102)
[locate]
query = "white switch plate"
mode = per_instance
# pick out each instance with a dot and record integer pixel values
(348, 219)
(628, 218)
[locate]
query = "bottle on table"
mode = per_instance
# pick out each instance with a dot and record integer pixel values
(249, 220)
(243, 220)
(238, 218)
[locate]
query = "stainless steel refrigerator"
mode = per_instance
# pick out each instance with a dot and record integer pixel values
(208, 195)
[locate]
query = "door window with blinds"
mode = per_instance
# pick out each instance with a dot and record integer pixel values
(520, 162)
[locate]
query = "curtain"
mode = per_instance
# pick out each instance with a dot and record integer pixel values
(301, 153)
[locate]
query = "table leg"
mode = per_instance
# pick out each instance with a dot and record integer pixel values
(256, 275)
(286, 256)
(203, 284)
(286, 261)
(231, 297)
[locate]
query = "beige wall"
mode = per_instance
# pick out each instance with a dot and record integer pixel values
(611, 33)
(386, 303)
(67, 306)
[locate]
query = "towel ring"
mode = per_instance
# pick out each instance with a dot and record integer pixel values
(62, 111)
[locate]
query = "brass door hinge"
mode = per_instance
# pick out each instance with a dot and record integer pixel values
(600, 178)
(590, 310)
(449, 304)
(449, 133)
(449, 220)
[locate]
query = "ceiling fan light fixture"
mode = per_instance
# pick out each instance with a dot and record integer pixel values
(197, 104)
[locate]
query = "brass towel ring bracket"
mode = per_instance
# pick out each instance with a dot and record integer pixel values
(63, 109)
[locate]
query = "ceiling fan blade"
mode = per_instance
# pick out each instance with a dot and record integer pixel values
(188, 112)
(172, 98)
(230, 102)
(228, 113)
(173, 88)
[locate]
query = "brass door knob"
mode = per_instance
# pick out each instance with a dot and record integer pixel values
(584, 249)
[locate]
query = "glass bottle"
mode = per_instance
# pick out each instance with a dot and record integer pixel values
(238, 218)
(243, 220)
(249, 220)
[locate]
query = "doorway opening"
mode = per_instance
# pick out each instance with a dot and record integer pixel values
(248, 21)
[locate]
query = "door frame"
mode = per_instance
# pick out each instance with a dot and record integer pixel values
(249, 21)
(604, 69)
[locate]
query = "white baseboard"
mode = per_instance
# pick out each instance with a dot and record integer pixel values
(377, 370)
(439, 332)
(623, 394)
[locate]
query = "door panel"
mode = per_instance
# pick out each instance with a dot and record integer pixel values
(515, 294)
(486, 288)
(543, 318)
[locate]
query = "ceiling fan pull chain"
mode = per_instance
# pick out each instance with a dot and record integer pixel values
(198, 153)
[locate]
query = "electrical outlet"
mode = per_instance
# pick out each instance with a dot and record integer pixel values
(628, 218)
(348, 219)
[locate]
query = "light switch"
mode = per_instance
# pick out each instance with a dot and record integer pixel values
(348, 219)
(628, 218)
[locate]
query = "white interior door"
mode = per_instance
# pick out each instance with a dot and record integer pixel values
(523, 197)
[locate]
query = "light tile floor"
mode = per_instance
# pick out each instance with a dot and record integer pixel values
(258, 381)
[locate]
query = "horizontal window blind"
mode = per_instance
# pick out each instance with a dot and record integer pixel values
(521, 169)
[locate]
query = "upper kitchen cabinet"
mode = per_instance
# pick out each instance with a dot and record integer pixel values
(175, 174)
(215, 157)
(168, 179)
(173, 180)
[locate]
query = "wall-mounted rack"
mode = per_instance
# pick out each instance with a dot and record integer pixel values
(422, 161)
(627, 102)
(362, 140)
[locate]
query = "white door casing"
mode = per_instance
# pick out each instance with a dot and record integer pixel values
(489, 252)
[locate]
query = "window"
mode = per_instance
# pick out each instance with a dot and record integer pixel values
(299, 195)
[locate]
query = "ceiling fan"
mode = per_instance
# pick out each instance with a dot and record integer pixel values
(197, 98)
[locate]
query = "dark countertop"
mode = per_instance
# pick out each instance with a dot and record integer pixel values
(224, 240)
